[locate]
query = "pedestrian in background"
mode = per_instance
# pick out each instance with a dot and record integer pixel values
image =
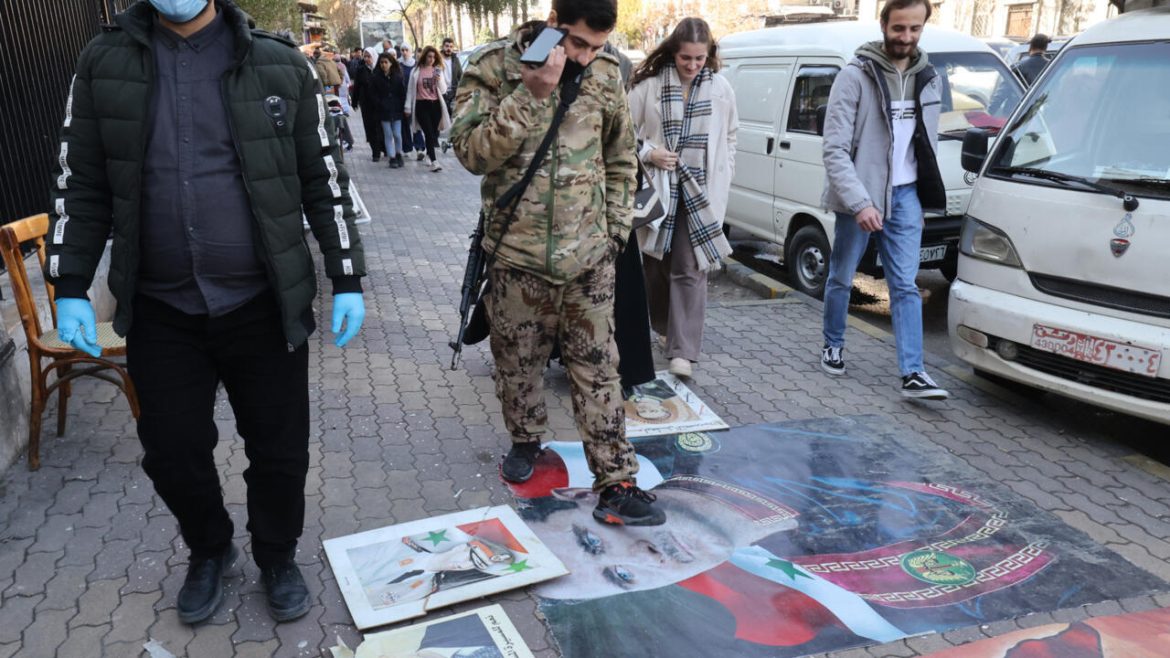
(412, 140)
(452, 72)
(1033, 64)
(326, 69)
(389, 97)
(686, 123)
(366, 99)
(881, 166)
(187, 136)
(552, 271)
(346, 108)
(425, 108)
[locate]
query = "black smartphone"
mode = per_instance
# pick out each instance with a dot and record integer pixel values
(537, 53)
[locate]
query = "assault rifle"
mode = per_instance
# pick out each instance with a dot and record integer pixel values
(473, 278)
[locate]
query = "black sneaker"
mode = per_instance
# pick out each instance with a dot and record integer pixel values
(625, 504)
(520, 461)
(920, 385)
(202, 591)
(288, 596)
(419, 157)
(831, 361)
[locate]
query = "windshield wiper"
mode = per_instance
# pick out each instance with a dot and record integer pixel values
(1128, 201)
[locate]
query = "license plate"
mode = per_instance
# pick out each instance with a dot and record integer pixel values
(1098, 351)
(925, 254)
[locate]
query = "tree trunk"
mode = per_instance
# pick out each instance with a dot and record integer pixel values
(458, 26)
(524, 10)
(496, 24)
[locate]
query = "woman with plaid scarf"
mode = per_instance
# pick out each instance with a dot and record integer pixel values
(686, 121)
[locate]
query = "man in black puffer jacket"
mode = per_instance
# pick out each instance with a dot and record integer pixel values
(199, 142)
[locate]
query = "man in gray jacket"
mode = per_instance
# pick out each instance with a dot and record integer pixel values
(881, 138)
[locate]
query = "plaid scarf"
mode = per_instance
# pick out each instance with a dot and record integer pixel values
(685, 131)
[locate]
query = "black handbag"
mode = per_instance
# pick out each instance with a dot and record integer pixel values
(648, 206)
(478, 325)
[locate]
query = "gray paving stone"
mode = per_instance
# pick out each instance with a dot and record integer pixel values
(98, 602)
(46, 633)
(82, 641)
(31, 577)
(16, 614)
(132, 617)
(65, 588)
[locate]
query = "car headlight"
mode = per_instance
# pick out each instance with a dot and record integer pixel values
(988, 243)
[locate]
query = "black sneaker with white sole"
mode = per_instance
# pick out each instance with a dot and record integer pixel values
(920, 385)
(625, 504)
(831, 361)
(520, 462)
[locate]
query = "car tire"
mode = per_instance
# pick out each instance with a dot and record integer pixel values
(807, 260)
(950, 270)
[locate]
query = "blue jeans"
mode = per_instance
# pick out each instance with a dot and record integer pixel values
(898, 245)
(393, 134)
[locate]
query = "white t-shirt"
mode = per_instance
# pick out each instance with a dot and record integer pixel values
(904, 118)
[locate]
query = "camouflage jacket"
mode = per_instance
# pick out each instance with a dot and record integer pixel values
(582, 196)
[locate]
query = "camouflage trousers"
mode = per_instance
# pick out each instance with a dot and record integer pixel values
(528, 315)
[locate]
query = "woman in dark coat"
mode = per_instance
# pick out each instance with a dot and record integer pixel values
(388, 87)
(363, 99)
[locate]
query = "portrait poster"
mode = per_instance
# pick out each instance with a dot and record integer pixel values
(799, 538)
(405, 570)
(374, 32)
(667, 406)
(485, 632)
(1133, 635)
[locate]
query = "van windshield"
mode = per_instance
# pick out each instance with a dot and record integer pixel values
(1101, 114)
(978, 91)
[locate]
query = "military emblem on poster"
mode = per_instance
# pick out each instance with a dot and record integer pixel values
(801, 538)
(667, 406)
(406, 570)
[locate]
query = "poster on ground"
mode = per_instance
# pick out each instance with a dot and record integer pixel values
(481, 633)
(405, 570)
(667, 406)
(1133, 635)
(799, 538)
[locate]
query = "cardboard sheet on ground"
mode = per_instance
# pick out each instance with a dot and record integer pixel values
(667, 406)
(403, 571)
(1134, 635)
(803, 537)
(481, 633)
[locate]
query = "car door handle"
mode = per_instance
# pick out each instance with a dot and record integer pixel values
(784, 146)
(771, 145)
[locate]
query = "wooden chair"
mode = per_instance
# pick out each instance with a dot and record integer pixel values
(65, 361)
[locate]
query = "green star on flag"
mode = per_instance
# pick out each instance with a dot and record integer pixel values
(522, 565)
(788, 568)
(437, 537)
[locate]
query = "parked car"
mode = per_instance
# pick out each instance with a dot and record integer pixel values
(782, 77)
(1063, 279)
(1001, 45)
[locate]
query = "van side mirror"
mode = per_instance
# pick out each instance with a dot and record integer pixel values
(974, 149)
(822, 111)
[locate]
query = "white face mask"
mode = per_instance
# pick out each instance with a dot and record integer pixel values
(179, 11)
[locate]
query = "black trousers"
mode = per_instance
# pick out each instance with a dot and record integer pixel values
(373, 126)
(430, 115)
(177, 362)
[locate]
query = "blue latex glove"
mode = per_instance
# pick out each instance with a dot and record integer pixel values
(350, 308)
(77, 325)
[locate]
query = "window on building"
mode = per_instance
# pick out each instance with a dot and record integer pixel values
(1019, 21)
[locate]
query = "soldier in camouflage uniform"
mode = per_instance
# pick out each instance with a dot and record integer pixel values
(552, 272)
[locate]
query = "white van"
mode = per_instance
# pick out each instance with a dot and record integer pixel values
(1064, 278)
(782, 77)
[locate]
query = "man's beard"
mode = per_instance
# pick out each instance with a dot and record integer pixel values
(896, 50)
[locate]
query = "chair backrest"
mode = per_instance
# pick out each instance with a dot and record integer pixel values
(12, 237)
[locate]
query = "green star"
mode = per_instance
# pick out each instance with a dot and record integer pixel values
(437, 537)
(522, 565)
(788, 568)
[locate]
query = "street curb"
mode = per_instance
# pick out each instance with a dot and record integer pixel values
(764, 286)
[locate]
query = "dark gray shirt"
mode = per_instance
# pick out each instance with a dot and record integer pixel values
(197, 240)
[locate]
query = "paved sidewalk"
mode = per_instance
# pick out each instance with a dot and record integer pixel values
(90, 560)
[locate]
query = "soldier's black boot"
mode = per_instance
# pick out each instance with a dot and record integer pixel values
(520, 462)
(202, 591)
(625, 504)
(288, 595)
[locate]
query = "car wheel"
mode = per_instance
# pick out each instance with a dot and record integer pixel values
(950, 270)
(808, 260)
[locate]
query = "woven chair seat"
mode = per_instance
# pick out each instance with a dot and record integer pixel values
(107, 338)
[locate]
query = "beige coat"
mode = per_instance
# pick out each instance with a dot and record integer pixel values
(646, 110)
